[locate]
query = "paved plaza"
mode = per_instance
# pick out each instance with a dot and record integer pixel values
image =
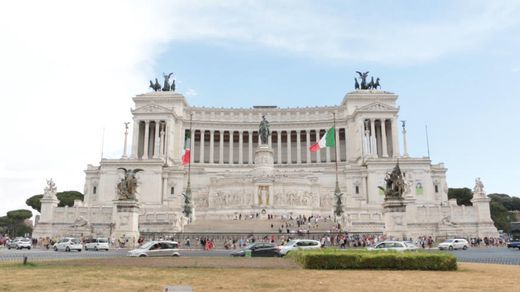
(499, 255)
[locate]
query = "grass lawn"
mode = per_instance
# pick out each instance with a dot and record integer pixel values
(246, 274)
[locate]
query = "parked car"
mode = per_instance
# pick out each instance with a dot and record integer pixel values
(24, 243)
(452, 244)
(258, 249)
(19, 243)
(68, 244)
(394, 245)
(156, 249)
(299, 244)
(97, 244)
(513, 244)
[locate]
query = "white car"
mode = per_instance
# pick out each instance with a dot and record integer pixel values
(299, 244)
(24, 243)
(68, 244)
(156, 249)
(394, 245)
(97, 244)
(452, 244)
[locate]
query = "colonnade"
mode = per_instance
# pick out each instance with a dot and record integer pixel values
(289, 146)
(379, 138)
(149, 139)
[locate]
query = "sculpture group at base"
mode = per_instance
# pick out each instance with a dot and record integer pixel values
(395, 184)
(127, 187)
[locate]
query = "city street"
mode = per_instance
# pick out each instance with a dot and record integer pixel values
(499, 255)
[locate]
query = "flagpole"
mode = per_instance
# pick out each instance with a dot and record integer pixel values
(335, 150)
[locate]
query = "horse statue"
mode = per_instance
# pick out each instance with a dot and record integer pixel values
(263, 131)
(370, 85)
(167, 86)
(376, 84)
(155, 86)
(356, 84)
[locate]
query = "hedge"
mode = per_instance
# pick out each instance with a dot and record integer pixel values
(391, 260)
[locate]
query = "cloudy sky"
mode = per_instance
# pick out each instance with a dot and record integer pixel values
(68, 71)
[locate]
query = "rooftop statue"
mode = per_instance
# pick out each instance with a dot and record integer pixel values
(395, 184)
(264, 131)
(155, 86)
(167, 86)
(127, 187)
(363, 84)
(51, 189)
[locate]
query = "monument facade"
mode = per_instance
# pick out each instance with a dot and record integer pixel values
(239, 167)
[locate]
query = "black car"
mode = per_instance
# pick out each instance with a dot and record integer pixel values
(513, 244)
(258, 249)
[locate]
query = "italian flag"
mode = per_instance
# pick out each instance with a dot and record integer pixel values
(328, 140)
(186, 151)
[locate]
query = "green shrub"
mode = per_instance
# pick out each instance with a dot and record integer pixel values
(391, 260)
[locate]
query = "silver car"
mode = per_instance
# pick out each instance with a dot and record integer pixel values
(394, 245)
(299, 244)
(97, 244)
(156, 249)
(68, 244)
(451, 244)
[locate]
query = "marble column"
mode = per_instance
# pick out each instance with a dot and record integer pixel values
(250, 142)
(308, 140)
(327, 154)
(298, 147)
(221, 148)
(231, 134)
(146, 138)
(289, 150)
(240, 147)
(337, 149)
(373, 145)
(383, 137)
(279, 146)
(201, 155)
(318, 155)
(346, 144)
(162, 142)
(270, 140)
(135, 139)
(395, 142)
(192, 145)
(156, 140)
(212, 146)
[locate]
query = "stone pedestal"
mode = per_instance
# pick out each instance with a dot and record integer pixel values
(394, 212)
(263, 176)
(126, 222)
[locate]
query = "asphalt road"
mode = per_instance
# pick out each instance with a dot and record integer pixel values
(499, 255)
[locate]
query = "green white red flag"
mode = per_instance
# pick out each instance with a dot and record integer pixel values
(186, 151)
(328, 140)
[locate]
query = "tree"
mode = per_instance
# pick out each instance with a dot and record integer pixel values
(35, 202)
(500, 215)
(462, 195)
(14, 223)
(510, 203)
(66, 198)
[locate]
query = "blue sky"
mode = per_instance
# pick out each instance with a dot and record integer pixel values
(69, 71)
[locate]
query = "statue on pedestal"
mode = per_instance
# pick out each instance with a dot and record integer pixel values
(395, 184)
(478, 189)
(127, 187)
(264, 131)
(50, 190)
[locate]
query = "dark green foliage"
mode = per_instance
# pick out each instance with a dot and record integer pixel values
(20, 214)
(463, 195)
(13, 224)
(501, 216)
(34, 202)
(510, 203)
(339, 259)
(67, 198)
